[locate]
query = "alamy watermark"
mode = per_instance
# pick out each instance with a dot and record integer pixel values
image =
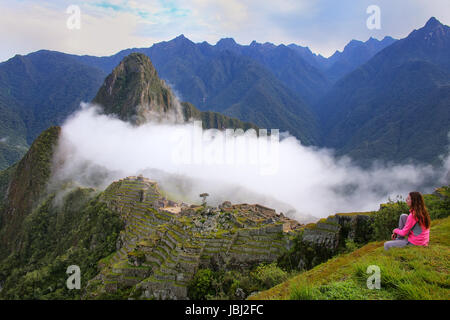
(374, 281)
(230, 147)
(74, 20)
(374, 20)
(74, 280)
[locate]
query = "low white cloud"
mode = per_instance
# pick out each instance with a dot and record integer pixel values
(96, 149)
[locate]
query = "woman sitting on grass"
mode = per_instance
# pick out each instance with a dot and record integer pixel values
(415, 226)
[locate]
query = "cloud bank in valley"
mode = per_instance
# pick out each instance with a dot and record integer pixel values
(95, 149)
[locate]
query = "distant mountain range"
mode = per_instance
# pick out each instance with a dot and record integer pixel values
(365, 101)
(396, 106)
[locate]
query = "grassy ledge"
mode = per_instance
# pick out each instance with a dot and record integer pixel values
(420, 273)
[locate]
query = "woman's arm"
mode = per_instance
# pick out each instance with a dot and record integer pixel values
(410, 222)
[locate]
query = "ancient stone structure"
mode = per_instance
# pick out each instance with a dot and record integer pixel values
(165, 242)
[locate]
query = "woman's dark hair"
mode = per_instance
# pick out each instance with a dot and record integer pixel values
(420, 210)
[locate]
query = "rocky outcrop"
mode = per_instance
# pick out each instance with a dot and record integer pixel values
(134, 92)
(318, 242)
(335, 230)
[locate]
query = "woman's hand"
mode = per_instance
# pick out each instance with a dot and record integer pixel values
(394, 236)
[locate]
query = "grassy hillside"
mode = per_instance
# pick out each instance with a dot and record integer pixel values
(406, 273)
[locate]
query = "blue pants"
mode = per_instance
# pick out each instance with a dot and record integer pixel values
(400, 241)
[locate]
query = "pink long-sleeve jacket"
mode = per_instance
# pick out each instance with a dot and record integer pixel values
(421, 239)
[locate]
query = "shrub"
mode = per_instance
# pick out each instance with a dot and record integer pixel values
(56, 237)
(303, 255)
(350, 246)
(386, 219)
(201, 285)
(269, 275)
(438, 203)
(136, 257)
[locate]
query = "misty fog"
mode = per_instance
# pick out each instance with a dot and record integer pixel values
(305, 183)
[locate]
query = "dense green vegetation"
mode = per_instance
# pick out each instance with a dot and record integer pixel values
(5, 178)
(43, 234)
(79, 231)
(235, 284)
(26, 183)
(214, 119)
(37, 91)
(309, 254)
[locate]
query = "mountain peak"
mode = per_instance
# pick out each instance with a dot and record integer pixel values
(433, 34)
(432, 23)
(270, 45)
(181, 39)
(134, 92)
(138, 62)
(226, 43)
(354, 43)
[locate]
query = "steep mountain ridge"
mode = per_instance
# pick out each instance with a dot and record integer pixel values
(394, 107)
(134, 92)
(37, 91)
(24, 187)
(286, 64)
(355, 54)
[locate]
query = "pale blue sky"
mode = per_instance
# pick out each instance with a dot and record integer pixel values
(108, 26)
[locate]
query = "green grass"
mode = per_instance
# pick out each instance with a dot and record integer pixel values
(349, 214)
(413, 273)
(344, 290)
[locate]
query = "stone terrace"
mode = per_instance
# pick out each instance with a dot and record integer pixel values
(164, 243)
